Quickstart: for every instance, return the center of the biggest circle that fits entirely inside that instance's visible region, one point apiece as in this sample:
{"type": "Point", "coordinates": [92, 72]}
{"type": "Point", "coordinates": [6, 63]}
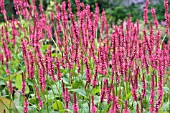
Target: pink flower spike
{"type": "Point", "coordinates": [75, 106]}
{"type": "Point", "coordinates": [26, 104]}
{"type": "Point", "coordinates": [126, 109]}
{"type": "Point", "coordinates": [93, 108]}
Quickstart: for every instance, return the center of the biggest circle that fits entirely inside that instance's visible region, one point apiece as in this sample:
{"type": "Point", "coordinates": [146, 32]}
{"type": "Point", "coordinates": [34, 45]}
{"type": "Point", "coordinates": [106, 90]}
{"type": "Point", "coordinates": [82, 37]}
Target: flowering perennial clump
{"type": "Point", "coordinates": [66, 62]}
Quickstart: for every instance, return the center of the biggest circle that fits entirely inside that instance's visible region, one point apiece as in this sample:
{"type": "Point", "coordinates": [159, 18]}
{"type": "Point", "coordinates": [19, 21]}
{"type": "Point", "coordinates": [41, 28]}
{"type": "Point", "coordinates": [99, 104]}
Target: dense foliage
{"type": "Point", "coordinates": [60, 61]}
{"type": "Point", "coordinates": [116, 10]}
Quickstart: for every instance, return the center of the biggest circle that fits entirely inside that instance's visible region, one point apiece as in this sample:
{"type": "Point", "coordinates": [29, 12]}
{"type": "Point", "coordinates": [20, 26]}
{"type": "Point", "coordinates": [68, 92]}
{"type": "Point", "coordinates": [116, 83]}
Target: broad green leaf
{"type": "Point", "coordinates": [107, 109]}
{"type": "Point", "coordinates": [20, 109]}
{"type": "Point", "coordinates": [79, 91]}
{"type": "Point", "coordinates": [167, 90]}
{"type": "Point", "coordinates": [74, 73]}
{"type": "Point", "coordinates": [103, 106]}
{"type": "Point", "coordinates": [151, 70]}
{"type": "Point", "coordinates": [32, 109]}
{"type": "Point", "coordinates": [18, 83]}
{"type": "Point", "coordinates": [10, 77]}
{"type": "Point", "coordinates": [165, 106]}
{"type": "Point", "coordinates": [45, 47]}
{"type": "Point", "coordinates": [128, 95]}
{"type": "Point", "coordinates": [85, 108]}
{"type": "Point", "coordinates": [32, 100]}
{"type": "Point", "coordinates": [95, 90]}
{"type": "Point", "coordinates": [58, 105]}
{"type": "Point", "coordinates": [6, 105]}
{"type": "Point", "coordinates": [77, 84]}
{"type": "Point", "coordinates": [2, 82]}
{"type": "Point", "coordinates": [65, 80]}
{"type": "Point", "coordinates": [17, 98]}
{"type": "Point", "coordinates": [64, 71]}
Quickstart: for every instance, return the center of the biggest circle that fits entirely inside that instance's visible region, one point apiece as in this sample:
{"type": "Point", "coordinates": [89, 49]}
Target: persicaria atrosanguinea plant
{"type": "Point", "coordinates": [78, 62]}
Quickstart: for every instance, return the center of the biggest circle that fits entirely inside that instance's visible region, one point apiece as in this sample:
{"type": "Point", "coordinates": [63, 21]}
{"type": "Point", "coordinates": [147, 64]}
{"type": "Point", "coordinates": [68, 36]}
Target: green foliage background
{"type": "Point", "coordinates": [115, 11]}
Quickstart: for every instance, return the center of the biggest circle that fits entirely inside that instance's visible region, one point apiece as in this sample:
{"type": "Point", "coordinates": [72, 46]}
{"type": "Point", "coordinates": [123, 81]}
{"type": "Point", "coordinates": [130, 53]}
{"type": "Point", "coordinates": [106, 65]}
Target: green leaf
{"type": "Point", "coordinates": [79, 91]}
{"type": "Point", "coordinates": [165, 106]}
{"type": "Point", "coordinates": [32, 100]}
{"type": "Point", "coordinates": [32, 109]}
{"type": "Point", "coordinates": [106, 109]}
{"type": "Point", "coordinates": [58, 105]}
{"type": "Point", "coordinates": [20, 109]}
{"type": "Point", "coordinates": [151, 70]}
{"type": "Point", "coordinates": [2, 83]}
{"type": "Point", "coordinates": [128, 95]}
{"type": "Point", "coordinates": [103, 107]}
{"type": "Point", "coordinates": [6, 105]}
{"type": "Point", "coordinates": [74, 71]}
{"type": "Point", "coordinates": [85, 108]}
{"type": "Point", "coordinates": [166, 89]}
{"type": "Point", "coordinates": [27, 89]}
{"type": "Point", "coordinates": [64, 71]}
{"type": "Point", "coordinates": [95, 90]}
{"type": "Point", "coordinates": [9, 77]}
{"type": "Point", "coordinates": [65, 80]}
{"type": "Point", "coordinates": [18, 83]}
{"type": "Point", "coordinates": [77, 84]}
{"type": "Point", "coordinates": [17, 98]}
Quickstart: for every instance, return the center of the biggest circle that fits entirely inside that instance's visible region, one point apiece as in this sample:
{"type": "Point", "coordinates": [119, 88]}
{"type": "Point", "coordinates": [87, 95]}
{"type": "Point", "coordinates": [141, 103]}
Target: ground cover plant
{"type": "Point", "coordinates": [58, 61]}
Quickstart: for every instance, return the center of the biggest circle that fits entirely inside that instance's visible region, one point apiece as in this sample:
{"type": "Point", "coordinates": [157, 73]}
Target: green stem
{"type": "Point", "coordinates": [10, 103]}
{"type": "Point", "coordinates": [116, 88]}
{"type": "Point", "coordinates": [99, 103]}
{"type": "Point", "coordinates": [47, 103]}
{"type": "Point", "coordinates": [10, 97]}
{"type": "Point", "coordinates": [54, 96]}
{"type": "Point", "coordinates": [56, 45]}
{"type": "Point", "coordinates": [162, 42]}
{"type": "Point", "coordinates": [57, 88]}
